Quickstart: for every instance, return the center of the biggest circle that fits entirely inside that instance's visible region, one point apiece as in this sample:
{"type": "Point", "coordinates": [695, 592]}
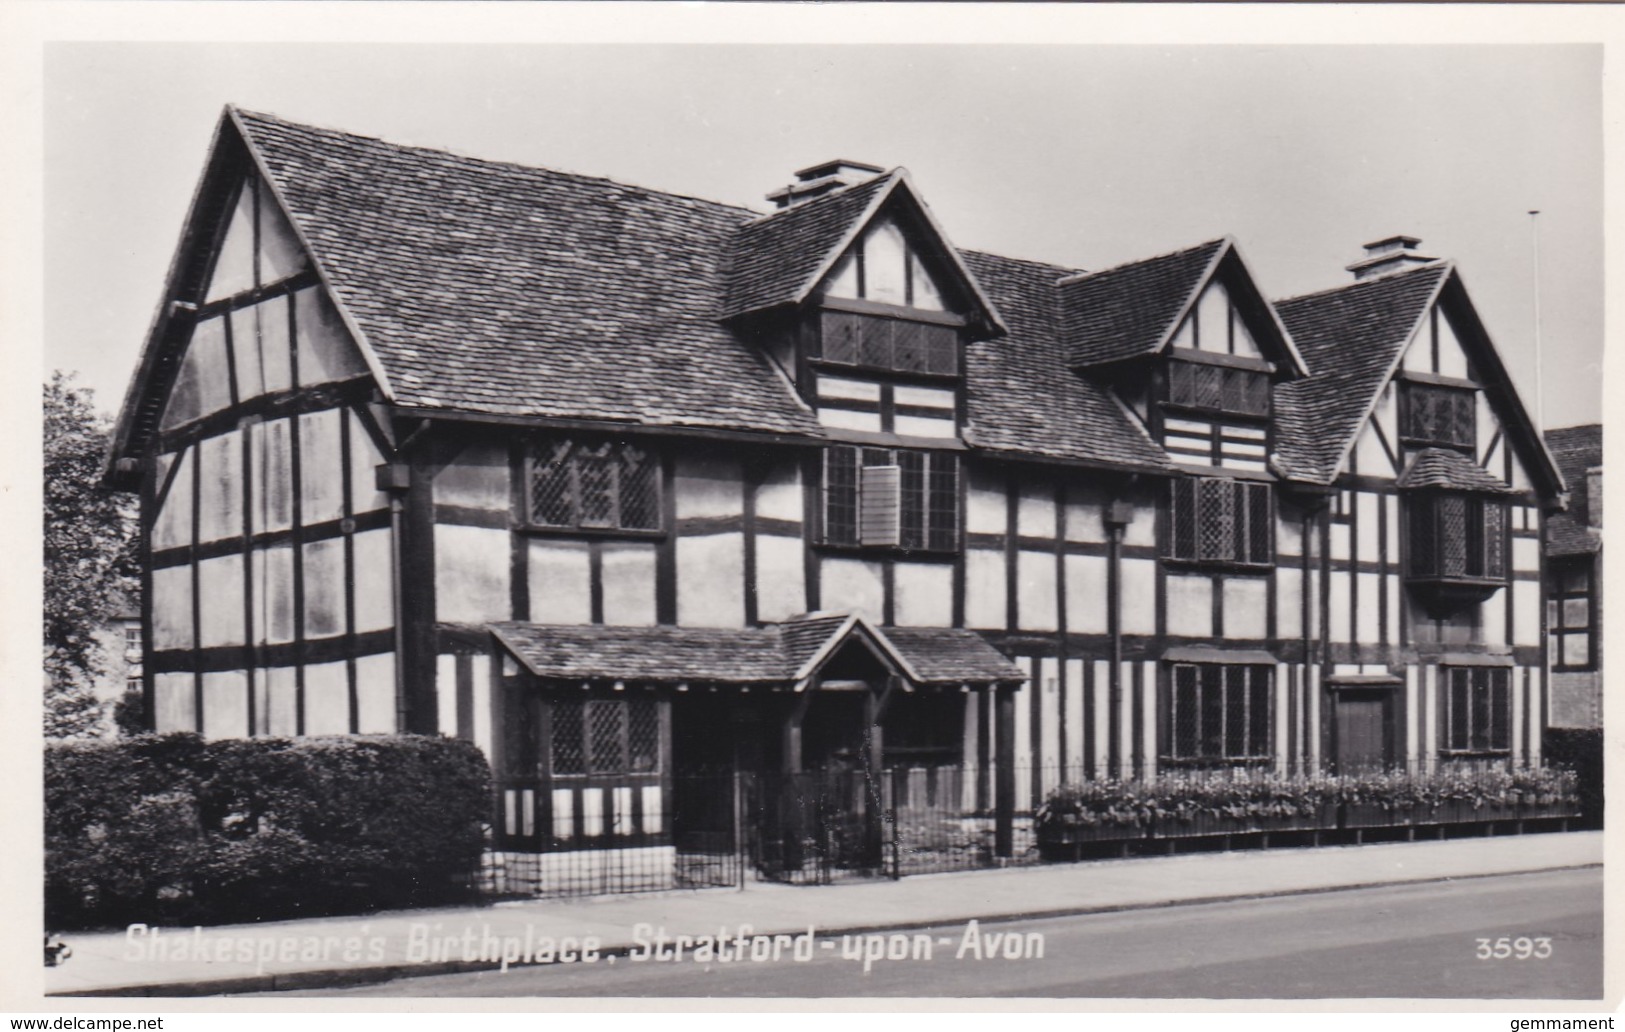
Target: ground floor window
{"type": "Point", "coordinates": [605, 736]}
{"type": "Point", "coordinates": [1219, 712]}
{"type": "Point", "coordinates": [1477, 709]}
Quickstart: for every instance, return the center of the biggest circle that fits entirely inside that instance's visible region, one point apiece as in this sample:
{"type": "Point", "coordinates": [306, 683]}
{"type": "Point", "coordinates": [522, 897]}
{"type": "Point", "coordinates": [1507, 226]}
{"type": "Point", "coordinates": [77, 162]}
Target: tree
{"type": "Point", "coordinates": [90, 556]}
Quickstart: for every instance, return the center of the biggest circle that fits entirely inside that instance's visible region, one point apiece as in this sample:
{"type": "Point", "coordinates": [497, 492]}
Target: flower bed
{"type": "Point", "coordinates": [1240, 802]}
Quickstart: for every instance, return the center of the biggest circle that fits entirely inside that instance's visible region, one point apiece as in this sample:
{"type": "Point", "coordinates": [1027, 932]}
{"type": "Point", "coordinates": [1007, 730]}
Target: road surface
{"type": "Point", "coordinates": [1393, 941]}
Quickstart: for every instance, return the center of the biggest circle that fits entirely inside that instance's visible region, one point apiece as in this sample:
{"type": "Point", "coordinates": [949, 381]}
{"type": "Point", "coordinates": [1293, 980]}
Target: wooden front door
{"type": "Point", "coordinates": [1362, 735]}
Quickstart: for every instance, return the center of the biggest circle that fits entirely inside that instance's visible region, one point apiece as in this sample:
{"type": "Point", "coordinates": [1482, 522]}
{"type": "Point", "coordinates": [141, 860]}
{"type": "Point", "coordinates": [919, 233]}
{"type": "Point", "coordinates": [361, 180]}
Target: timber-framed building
{"type": "Point", "coordinates": [618, 484]}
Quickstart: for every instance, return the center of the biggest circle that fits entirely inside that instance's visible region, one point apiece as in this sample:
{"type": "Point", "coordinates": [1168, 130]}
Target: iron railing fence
{"type": "Point", "coordinates": [655, 832]}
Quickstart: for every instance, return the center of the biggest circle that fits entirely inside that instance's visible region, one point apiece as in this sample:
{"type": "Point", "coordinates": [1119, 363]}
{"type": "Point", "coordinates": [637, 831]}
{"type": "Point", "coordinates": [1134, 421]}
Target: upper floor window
{"type": "Point", "coordinates": [1477, 709]}
{"type": "Point", "coordinates": [1226, 389]}
{"type": "Point", "coordinates": [1569, 615]}
{"type": "Point", "coordinates": [605, 486]}
{"type": "Point", "coordinates": [1220, 712]}
{"type": "Point", "coordinates": [894, 498]}
{"type": "Point", "coordinates": [1456, 537]}
{"type": "Point", "coordinates": [1222, 521]}
{"type": "Point", "coordinates": [1430, 414]}
{"type": "Point", "coordinates": [893, 345]}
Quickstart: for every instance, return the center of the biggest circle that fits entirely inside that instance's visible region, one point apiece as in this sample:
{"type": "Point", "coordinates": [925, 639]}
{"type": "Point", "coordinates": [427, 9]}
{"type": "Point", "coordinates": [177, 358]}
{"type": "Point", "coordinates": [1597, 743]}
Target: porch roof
{"type": "Point", "coordinates": [776, 654]}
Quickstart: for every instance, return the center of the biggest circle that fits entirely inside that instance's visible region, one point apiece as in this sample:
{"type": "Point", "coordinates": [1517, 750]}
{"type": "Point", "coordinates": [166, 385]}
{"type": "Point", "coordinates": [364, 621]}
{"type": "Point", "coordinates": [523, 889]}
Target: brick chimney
{"type": "Point", "coordinates": [1388, 255]}
{"type": "Point", "coordinates": [818, 180]}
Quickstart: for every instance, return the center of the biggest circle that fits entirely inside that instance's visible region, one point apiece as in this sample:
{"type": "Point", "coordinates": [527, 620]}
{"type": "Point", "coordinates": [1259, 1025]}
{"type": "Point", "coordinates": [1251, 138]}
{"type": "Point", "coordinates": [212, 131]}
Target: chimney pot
{"type": "Point", "coordinates": [1387, 255]}
{"type": "Point", "coordinates": [822, 178]}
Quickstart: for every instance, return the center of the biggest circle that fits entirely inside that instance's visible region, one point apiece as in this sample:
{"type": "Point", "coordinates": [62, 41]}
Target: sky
{"type": "Point", "coordinates": [1085, 156]}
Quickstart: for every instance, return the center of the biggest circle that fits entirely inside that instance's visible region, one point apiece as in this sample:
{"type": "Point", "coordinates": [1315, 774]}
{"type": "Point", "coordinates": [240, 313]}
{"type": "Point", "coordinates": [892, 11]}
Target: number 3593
{"type": "Point", "coordinates": [1521, 948]}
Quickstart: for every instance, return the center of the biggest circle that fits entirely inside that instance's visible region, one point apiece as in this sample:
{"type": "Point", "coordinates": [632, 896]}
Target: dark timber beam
{"type": "Point", "coordinates": [1004, 789]}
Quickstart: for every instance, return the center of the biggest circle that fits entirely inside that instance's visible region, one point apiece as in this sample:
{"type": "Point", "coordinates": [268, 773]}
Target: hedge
{"type": "Point", "coordinates": [173, 829]}
{"type": "Point", "coordinates": [1183, 796]}
{"type": "Point", "coordinates": [1580, 749]}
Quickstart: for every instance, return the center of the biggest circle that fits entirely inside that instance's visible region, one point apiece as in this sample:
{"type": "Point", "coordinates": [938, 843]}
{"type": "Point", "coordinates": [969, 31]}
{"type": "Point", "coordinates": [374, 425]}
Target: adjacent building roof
{"type": "Point", "coordinates": [1444, 468]}
{"type": "Point", "coordinates": [1577, 449]}
{"type": "Point", "coordinates": [775, 654]}
{"type": "Point", "coordinates": [1351, 337]}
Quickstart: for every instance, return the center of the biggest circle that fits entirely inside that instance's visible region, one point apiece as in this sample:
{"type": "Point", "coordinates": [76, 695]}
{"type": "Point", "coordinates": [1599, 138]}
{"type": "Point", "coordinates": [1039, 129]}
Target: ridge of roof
{"type": "Point", "coordinates": [1381, 277]}
{"type": "Point", "coordinates": [517, 166]}
{"type": "Point", "coordinates": [1177, 252]}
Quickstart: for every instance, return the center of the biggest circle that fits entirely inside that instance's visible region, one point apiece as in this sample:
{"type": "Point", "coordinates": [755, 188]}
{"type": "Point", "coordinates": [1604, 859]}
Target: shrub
{"type": "Point", "coordinates": [170, 828]}
{"type": "Point", "coordinates": [1580, 749]}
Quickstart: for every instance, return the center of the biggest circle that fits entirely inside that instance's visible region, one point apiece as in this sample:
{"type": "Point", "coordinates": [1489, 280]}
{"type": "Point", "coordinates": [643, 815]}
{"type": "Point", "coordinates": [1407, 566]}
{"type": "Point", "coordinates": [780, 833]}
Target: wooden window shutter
{"type": "Point", "coordinates": [879, 494]}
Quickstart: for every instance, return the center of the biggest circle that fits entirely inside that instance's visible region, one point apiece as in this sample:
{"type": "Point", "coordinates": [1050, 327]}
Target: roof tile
{"type": "Point", "coordinates": [743, 655]}
{"type": "Point", "coordinates": [1128, 311]}
{"type": "Point", "coordinates": [1350, 337]}
{"type": "Point", "coordinates": [1576, 449]}
{"type": "Point", "coordinates": [772, 259]}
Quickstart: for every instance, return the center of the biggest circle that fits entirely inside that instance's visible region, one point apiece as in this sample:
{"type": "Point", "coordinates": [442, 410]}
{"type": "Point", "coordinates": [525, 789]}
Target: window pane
{"type": "Point", "coordinates": [605, 732]}
{"type": "Point", "coordinates": [908, 347]}
{"type": "Point", "coordinates": [1235, 716]}
{"type": "Point", "coordinates": [1500, 735]}
{"type": "Point", "coordinates": [911, 515]}
{"type": "Point", "coordinates": [1460, 709]}
{"type": "Point", "coordinates": [552, 502]}
{"type": "Point", "coordinates": [1212, 708]}
{"type": "Point", "coordinates": [643, 735]}
{"type": "Point", "coordinates": [841, 332]}
{"type": "Point", "coordinates": [944, 515]}
{"type": "Point", "coordinates": [1452, 512]}
{"type": "Point", "coordinates": [1576, 649]}
{"type": "Point", "coordinates": [1494, 539]}
{"type": "Point", "coordinates": [1259, 711]}
{"type": "Point", "coordinates": [1217, 531]}
{"type": "Point", "coordinates": [1576, 612]}
{"type": "Point", "coordinates": [595, 475]}
{"type": "Point", "coordinates": [1482, 709]}
{"type": "Point", "coordinates": [640, 489]}
{"type": "Point", "coordinates": [841, 495]}
{"type": "Point", "coordinates": [942, 349]}
{"type": "Point", "coordinates": [875, 342]}
{"type": "Point", "coordinates": [1185, 716]}
{"type": "Point", "coordinates": [569, 754]}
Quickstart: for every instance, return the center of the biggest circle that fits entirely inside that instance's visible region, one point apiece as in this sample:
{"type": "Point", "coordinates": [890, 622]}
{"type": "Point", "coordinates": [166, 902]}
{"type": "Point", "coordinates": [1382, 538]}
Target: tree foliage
{"type": "Point", "coordinates": [90, 555]}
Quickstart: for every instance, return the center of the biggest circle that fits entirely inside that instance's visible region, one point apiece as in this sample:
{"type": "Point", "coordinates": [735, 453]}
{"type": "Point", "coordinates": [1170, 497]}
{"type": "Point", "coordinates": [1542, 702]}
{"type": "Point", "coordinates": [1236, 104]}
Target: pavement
{"type": "Point", "coordinates": [305, 954]}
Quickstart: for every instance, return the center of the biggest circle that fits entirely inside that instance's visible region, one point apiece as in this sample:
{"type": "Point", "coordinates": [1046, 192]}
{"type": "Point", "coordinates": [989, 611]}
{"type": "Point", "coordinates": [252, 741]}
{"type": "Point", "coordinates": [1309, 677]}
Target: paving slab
{"type": "Point", "coordinates": [272, 955]}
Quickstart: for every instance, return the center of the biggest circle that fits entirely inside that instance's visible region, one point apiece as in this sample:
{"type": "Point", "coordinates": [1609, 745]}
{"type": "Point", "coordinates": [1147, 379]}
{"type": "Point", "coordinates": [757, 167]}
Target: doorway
{"type": "Point", "coordinates": [1363, 729]}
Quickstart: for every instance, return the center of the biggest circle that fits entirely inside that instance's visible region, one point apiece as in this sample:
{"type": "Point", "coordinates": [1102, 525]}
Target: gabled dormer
{"type": "Point", "coordinates": [855, 291]}
{"type": "Point", "coordinates": [1190, 346]}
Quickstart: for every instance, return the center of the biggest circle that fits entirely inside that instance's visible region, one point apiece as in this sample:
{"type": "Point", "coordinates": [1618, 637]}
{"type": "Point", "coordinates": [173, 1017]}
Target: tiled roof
{"type": "Point", "coordinates": [1350, 339]}
{"type": "Point", "coordinates": [772, 259]}
{"type": "Point", "coordinates": [1442, 467]}
{"type": "Point", "coordinates": [951, 655]}
{"type": "Point", "coordinates": [1129, 310]}
{"type": "Point", "coordinates": [496, 288]}
{"type": "Point", "coordinates": [1022, 396]}
{"type": "Point", "coordinates": [1576, 449]}
{"type": "Point", "coordinates": [749, 655]}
